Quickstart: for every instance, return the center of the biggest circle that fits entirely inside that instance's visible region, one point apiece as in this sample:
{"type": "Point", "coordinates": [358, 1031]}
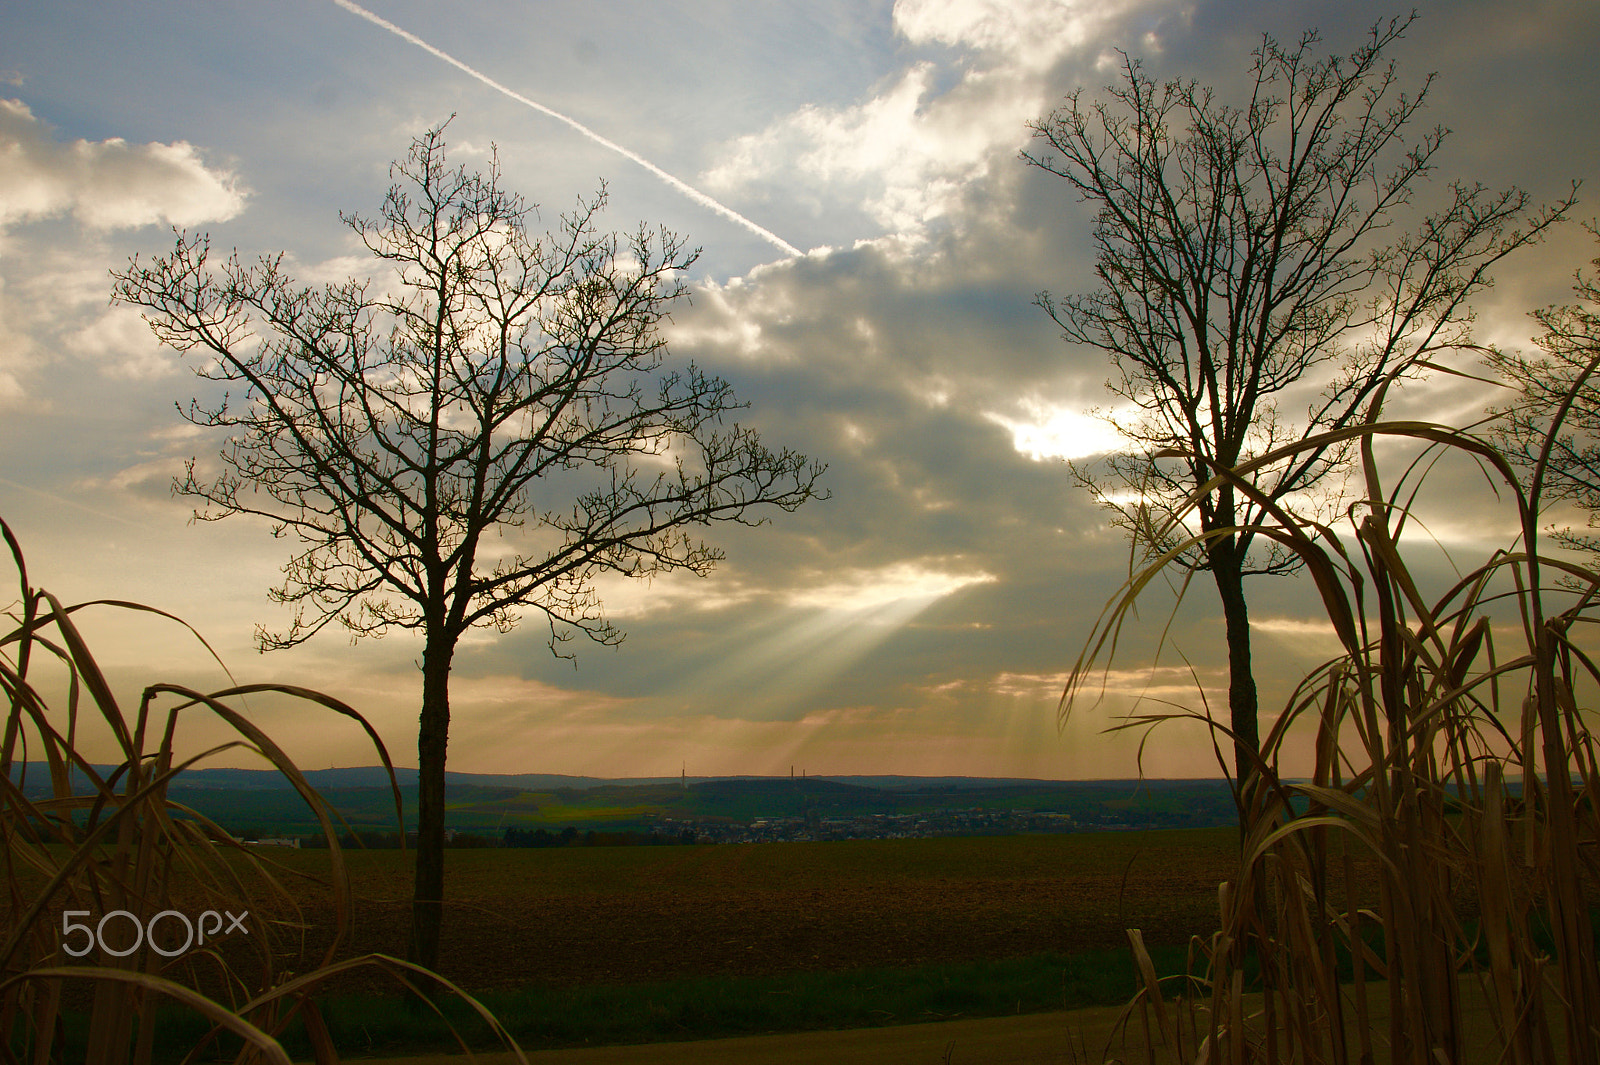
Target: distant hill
{"type": "Point", "coordinates": [374, 776]}
{"type": "Point", "coordinates": [370, 776]}
{"type": "Point", "coordinates": [260, 800]}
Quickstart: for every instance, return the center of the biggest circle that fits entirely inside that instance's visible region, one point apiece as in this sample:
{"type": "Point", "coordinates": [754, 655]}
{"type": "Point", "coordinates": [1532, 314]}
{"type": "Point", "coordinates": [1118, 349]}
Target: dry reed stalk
{"type": "Point", "coordinates": [1420, 724]}
{"type": "Point", "coordinates": [102, 843]}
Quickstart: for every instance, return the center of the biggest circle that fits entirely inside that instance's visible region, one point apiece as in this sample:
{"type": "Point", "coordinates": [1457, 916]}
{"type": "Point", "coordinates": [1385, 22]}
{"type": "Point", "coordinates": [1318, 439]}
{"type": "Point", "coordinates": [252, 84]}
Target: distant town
{"type": "Point", "coordinates": [959, 821]}
{"type": "Point", "coordinates": [541, 810]}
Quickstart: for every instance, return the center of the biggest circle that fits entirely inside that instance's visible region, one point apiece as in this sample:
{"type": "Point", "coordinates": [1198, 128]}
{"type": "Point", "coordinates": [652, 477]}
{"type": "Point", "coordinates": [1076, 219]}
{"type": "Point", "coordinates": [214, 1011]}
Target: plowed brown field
{"type": "Point", "coordinates": [597, 915]}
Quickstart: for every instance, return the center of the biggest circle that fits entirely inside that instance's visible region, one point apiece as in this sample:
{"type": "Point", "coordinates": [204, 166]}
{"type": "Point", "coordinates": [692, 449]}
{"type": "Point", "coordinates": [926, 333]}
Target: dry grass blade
{"type": "Point", "coordinates": [1151, 994]}
{"type": "Point", "coordinates": [98, 842]}
{"type": "Point", "coordinates": [1420, 724]}
{"type": "Point", "coordinates": [217, 1014]}
{"type": "Point", "coordinates": [414, 977]}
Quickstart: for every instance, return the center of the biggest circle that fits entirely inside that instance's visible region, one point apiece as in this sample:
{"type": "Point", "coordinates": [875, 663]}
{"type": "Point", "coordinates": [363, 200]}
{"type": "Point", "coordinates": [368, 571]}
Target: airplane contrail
{"type": "Point", "coordinates": [682, 186]}
{"type": "Point", "coordinates": [64, 501]}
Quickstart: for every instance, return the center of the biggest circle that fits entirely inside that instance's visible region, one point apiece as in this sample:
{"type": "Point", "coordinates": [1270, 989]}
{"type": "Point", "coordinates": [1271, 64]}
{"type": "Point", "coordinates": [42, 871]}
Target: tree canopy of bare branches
{"type": "Point", "coordinates": [500, 383]}
{"type": "Point", "coordinates": [1257, 286]}
{"type": "Point", "coordinates": [1559, 382]}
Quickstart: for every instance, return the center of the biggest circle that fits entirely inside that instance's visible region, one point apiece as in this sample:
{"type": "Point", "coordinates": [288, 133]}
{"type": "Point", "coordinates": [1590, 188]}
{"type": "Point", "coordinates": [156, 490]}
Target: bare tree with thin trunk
{"type": "Point", "coordinates": [1256, 288]}
{"type": "Point", "coordinates": [475, 441]}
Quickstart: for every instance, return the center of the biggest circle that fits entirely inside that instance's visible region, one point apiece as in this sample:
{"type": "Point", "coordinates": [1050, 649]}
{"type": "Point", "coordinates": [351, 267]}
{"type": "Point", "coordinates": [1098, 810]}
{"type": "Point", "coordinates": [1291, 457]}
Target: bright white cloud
{"type": "Point", "coordinates": [53, 308]}
{"type": "Point", "coordinates": [1032, 35]}
{"type": "Point", "coordinates": [120, 340]}
{"type": "Point", "coordinates": [106, 184]}
{"type": "Point", "coordinates": [1157, 682]}
{"type": "Point", "coordinates": [906, 153]}
{"type": "Point", "coordinates": [720, 321]}
{"type": "Point", "coordinates": [1049, 431]}
{"type": "Point", "coordinates": [632, 598]}
{"type": "Point", "coordinates": [1293, 627]}
{"type": "Point", "coordinates": [887, 588]}
{"type": "Point", "coordinates": [52, 296]}
{"type": "Point", "coordinates": [1312, 638]}
{"type": "Point", "coordinates": [900, 583]}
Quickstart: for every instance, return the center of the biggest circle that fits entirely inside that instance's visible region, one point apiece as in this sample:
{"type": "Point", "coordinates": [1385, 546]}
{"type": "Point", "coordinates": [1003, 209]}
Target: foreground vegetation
{"type": "Point", "coordinates": [713, 1007]}
{"type": "Point", "coordinates": [97, 847]}
{"type": "Point", "coordinates": [1450, 747]}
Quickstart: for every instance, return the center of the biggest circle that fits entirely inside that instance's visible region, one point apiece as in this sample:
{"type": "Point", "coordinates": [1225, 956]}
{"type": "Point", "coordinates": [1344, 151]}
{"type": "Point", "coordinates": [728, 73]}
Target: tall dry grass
{"type": "Point", "coordinates": [97, 843]}
{"type": "Point", "coordinates": [1437, 861]}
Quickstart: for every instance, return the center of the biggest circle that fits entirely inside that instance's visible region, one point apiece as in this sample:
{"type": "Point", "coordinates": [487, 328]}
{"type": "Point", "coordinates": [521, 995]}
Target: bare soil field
{"type": "Point", "coordinates": [572, 916]}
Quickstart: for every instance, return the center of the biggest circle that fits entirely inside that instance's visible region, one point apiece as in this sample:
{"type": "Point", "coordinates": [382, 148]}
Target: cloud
{"type": "Point", "coordinates": [692, 193]}
{"type": "Point", "coordinates": [916, 365]}
{"type": "Point", "coordinates": [902, 582]}
{"type": "Point", "coordinates": [908, 356]}
{"type": "Point", "coordinates": [106, 184]}
{"type": "Point", "coordinates": [1048, 430]}
{"type": "Point", "coordinates": [53, 280]}
{"type": "Point", "coordinates": [1032, 36]}
{"type": "Point", "coordinates": [53, 313]}
{"type": "Point", "coordinates": [121, 341]}
{"type": "Point", "coordinates": [906, 153]}
{"type": "Point", "coordinates": [946, 551]}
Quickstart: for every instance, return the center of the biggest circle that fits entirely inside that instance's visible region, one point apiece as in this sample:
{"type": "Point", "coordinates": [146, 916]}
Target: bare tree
{"type": "Point", "coordinates": [1253, 290]}
{"type": "Point", "coordinates": [505, 385]}
{"type": "Point", "coordinates": [1560, 381]}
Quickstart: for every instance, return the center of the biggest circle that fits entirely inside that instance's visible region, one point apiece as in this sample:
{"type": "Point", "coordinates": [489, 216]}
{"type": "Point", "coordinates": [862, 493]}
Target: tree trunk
{"type": "Point", "coordinates": [1227, 565]}
{"type": "Point", "coordinates": [433, 733]}
{"type": "Point", "coordinates": [1227, 568]}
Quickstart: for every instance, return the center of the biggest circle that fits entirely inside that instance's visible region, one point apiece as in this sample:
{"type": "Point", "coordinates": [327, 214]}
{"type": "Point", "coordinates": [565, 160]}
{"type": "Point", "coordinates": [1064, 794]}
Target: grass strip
{"type": "Point", "coordinates": [712, 1007]}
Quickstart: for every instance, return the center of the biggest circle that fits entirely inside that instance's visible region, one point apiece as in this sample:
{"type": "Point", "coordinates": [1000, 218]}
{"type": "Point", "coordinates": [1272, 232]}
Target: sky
{"type": "Point", "coordinates": [871, 250]}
